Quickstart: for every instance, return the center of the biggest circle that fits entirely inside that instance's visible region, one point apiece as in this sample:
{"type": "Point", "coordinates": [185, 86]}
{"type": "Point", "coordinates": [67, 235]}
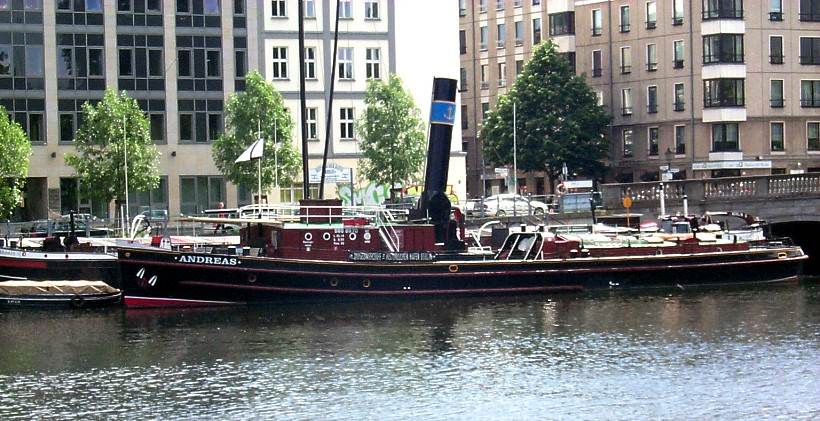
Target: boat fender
{"type": "Point", "coordinates": [77, 301]}
{"type": "Point", "coordinates": [560, 189]}
{"type": "Point", "coordinates": [453, 268]}
{"type": "Point", "coordinates": [366, 283]}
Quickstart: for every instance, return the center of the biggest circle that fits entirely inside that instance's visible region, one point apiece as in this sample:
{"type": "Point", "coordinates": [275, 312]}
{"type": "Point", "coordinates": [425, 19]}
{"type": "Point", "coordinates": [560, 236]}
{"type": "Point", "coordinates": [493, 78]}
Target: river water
{"type": "Point", "coordinates": [719, 353]}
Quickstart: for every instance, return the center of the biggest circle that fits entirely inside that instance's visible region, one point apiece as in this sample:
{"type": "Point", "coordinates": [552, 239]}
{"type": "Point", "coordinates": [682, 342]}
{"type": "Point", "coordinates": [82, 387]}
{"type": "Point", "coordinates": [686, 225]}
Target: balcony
{"type": "Point", "coordinates": [677, 64]}
{"type": "Point", "coordinates": [484, 85]}
{"type": "Point", "coordinates": [723, 102]}
{"type": "Point", "coordinates": [625, 27]}
{"type": "Point", "coordinates": [776, 59]}
{"type": "Point", "coordinates": [776, 102]}
{"type": "Point", "coordinates": [502, 83]}
{"type": "Point", "coordinates": [626, 70]}
{"type": "Point", "coordinates": [596, 32]}
{"type": "Point", "coordinates": [810, 102]}
{"type": "Point", "coordinates": [678, 106]}
{"type": "Point", "coordinates": [652, 108]}
{"type": "Point", "coordinates": [651, 24]}
{"type": "Point", "coordinates": [677, 21]}
{"type": "Point", "coordinates": [651, 67]}
{"type": "Point", "coordinates": [499, 43]}
{"type": "Point", "coordinates": [776, 16]}
{"type": "Point", "coordinates": [626, 111]}
{"type": "Point", "coordinates": [596, 72]}
{"type": "Point", "coordinates": [728, 57]}
{"type": "Point", "coordinates": [723, 13]}
{"type": "Point", "coordinates": [680, 149]}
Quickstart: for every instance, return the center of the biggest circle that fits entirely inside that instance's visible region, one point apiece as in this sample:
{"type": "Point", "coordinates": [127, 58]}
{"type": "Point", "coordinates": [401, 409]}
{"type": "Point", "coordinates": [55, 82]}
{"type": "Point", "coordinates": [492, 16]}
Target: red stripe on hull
{"type": "Point", "coordinates": [154, 302]}
{"type": "Point", "coordinates": [22, 263]}
{"type": "Point", "coordinates": [286, 290]}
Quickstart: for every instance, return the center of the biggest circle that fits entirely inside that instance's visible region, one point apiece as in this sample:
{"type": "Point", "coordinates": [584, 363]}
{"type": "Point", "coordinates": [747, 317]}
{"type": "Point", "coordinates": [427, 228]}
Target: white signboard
{"type": "Point", "coordinates": [730, 165]}
{"type": "Point", "coordinates": [578, 184]}
{"type": "Point", "coordinates": [503, 172]}
{"type": "Point", "coordinates": [334, 173]}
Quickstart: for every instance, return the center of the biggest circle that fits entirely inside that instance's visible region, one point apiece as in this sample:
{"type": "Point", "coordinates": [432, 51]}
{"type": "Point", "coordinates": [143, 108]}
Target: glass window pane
{"type": "Point", "coordinates": [186, 127]}
{"type": "Point", "coordinates": [213, 63]}
{"type": "Point", "coordinates": [184, 62]}
{"type": "Point", "coordinates": [126, 68]}
{"type": "Point", "coordinates": [157, 127]}
{"type": "Point", "coordinates": [155, 67]}
{"type": "Point", "coordinates": [211, 7]}
{"type": "Point", "coordinates": [35, 127]}
{"type": "Point", "coordinates": [152, 5]}
{"type": "Point", "coordinates": [66, 127]}
{"type": "Point", "coordinates": [95, 62]}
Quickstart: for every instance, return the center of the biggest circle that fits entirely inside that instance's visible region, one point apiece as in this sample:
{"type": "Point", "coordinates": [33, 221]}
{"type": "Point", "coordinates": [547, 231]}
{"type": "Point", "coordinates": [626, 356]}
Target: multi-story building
{"type": "Point", "coordinates": [182, 60]}
{"type": "Point", "coordinates": [712, 87]}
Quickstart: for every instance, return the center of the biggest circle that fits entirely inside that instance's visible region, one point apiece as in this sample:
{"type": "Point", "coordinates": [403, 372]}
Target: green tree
{"type": "Point", "coordinates": [558, 120]}
{"type": "Point", "coordinates": [259, 108]}
{"type": "Point", "coordinates": [112, 128]}
{"type": "Point", "coordinates": [392, 134]}
{"type": "Point", "coordinates": [14, 161]}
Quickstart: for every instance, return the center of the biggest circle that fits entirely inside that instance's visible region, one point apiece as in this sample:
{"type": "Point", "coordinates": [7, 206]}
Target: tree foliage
{"type": "Point", "coordinates": [15, 150]}
{"type": "Point", "coordinates": [391, 134]}
{"type": "Point", "coordinates": [260, 108]}
{"type": "Point", "coordinates": [112, 128]}
{"type": "Point", "coordinates": [558, 120]}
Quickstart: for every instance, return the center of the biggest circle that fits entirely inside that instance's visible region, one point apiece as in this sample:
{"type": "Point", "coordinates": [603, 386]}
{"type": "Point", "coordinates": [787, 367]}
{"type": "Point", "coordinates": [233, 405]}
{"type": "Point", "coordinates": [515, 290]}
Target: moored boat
{"type": "Point", "coordinates": [73, 294]}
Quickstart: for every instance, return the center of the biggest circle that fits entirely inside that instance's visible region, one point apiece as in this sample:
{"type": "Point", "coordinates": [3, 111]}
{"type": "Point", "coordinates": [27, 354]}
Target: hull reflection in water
{"type": "Point", "coordinates": [717, 353]}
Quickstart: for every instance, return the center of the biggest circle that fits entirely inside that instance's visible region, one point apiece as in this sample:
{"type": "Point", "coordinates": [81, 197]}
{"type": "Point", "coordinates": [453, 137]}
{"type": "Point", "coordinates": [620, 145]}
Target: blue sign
{"type": "Point", "coordinates": [443, 112]}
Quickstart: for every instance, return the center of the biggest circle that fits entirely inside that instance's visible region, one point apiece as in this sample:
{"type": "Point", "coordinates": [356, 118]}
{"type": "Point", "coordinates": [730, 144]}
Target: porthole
{"type": "Point", "coordinates": [453, 268]}
{"type": "Point", "coordinates": [326, 236]}
{"type": "Point", "coordinates": [366, 236]}
{"type": "Point", "coordinates": [334, 282]}
{"type": "Point", "coordinates": [352, 236]}
{"type": "Point", "coordinates": [252, 278]}
{"type": "Point", "coordinates": [366, 283]}
{"type": "Point", "coordinates": [308, 236]}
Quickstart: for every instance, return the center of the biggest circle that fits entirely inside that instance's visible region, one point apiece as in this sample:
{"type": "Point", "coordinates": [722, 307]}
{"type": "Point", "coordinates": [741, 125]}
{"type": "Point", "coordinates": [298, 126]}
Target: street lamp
{"type": "Point", "coordinates": [669, 154]}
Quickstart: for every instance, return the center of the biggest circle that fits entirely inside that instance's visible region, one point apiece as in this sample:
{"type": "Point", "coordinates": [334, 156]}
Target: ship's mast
{"type": "Point", "coordinates": [303, 104]}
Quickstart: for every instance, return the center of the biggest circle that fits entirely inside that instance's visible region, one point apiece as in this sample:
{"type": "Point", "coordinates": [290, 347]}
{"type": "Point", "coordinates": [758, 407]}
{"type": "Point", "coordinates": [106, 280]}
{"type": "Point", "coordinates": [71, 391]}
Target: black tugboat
{"type": "Point", "coordinates": [328, 252]}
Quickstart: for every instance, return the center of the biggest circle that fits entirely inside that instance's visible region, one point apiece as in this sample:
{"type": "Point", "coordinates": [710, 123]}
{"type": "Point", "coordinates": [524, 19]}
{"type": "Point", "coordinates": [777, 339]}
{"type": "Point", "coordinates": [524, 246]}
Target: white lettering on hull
{"type": "Point", "coordinates": [209, 260]}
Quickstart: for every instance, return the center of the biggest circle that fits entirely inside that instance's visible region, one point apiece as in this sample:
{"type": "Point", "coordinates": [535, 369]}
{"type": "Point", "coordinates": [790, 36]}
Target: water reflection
{"type": "Point", "coordinates": [729, 353]}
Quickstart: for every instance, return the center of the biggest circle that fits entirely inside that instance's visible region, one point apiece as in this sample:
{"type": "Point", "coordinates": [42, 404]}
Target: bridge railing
{"type": "Point", "coordinates": [714, 189]}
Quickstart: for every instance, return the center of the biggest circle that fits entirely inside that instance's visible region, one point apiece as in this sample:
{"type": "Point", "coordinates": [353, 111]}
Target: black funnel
{"type": "Point", "coordinates": [434, 202]}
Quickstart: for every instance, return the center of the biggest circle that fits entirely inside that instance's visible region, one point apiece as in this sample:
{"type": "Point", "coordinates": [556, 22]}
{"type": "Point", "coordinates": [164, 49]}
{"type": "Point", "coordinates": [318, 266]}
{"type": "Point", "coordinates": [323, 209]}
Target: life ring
{"type": "Point", "coordinates": [77, 301]}
{"type": "Point", "coordinates": [560, 188]}
{"type": "Point", "coordinates": [453, 268]}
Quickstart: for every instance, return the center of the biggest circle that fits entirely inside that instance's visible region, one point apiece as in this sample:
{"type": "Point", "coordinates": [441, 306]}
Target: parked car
{"type": "Point", "coordinates": [508, 204]}
{"type": "Point", "coordinates": [473, 207]}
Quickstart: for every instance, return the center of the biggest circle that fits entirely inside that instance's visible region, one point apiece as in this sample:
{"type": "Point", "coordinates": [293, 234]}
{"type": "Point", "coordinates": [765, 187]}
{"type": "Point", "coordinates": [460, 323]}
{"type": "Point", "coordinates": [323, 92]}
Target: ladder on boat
{"type": "Point", "coordinates": [387, 230]}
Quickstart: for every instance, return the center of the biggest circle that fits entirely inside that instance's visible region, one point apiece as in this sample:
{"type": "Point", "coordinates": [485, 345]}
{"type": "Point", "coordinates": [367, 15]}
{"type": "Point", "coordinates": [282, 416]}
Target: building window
{"type": "Point", "coordinates": [485, 109]}
{"type": "Point", "coordinates": [213, 63]}
{"type": "Point", "coordinates": [776, 96]}
{"type": "Point", "coordinates": [810, 10]}
{"type": "Point", "coordinates": [482, 38]}
{"type": "Point", "coordinates": [536, 31]}
{"type": "Point", "coordinates": [482, 6]}
{"type": "Point", "coordinates": [775, 10]}
{"type": "Point", "coordinates": [199, 63]}
{"type": "Point", "coordinates": [200, 121]}
{"type": "Point", "coordinates": [651, 15]}
{"type": "Point", "coordinates": [626, 60]}
{"type": "Point", "coordinates": [723, 93]}
{"type": "Point", "coordinates": [500, 40]}
{"type": "Point", "coordinates": [280, 63]}
{"type": "Point", "coordinates": [776, 50]}
{"type": "Point", "coordinates": [80, 61]}
{"type": "Point", "coordinates": [809, 50]}
{"type": "Point", "coordinates": [310, 62]}
{"type": "Point", "coordinates": [680, 140]}
{"type": "Point", "coordinates": [278, 9]}
{"type": "Point", "coordinates": [346, 123]}
{"type": "Point", "coordinates": [626, 101]}
{"type": "Point", "coordinates": [725, 137]}
{"type": "Point", "coordinates": [810, 93]}
{"type": "Point", "coordinates": [596, 63]}
{"type": "Point", "coordinates": [240, 63]}
{"type": "Point", "coordinates": [562, 23]}
{"type": "Point", "coordinates": [147, 201]}
{"type": "Point", "coordinates": [722, 9]}
{"type": "Point", "coordinates": [627, 142]}
{"type": "Point", "coordinates": [155, 111]}
{"type": "Point", "coordinates": [462, 81]}
{"type": "Point", "coordinates": [651, 57]}
{"type": "Point", "coordinates": [597, 23]}
{"type": "Point", "coordinates": [311, 121]}
{"type": "Point", "coordinates": [723, 48]}
{"type": "Point", "coordinates": [484, 75]}
{"type": "Point", "coordinates": [67, 127]}
{"type": "Point", "coordinates": [502, 74]}
{"type": "Point", "coordinates": [776, 136]}
{"type": "Point", "coordinates": [371, 10]}
{"type": "Point", "coordinates": [677, 51]}
{"type": "Point", "coordinates": [372, 63]}
{"type": "Point", "coordinates": [813, 135]}
{"type": "Point", "coordinates": [599, 98]}
{"type": "Point", "coordinates": [462, 42]}
{"type": "Point", "coordinates": [625, 19]}
{"type": "Point", "coordinates": [677, 12]}
{"type": "Point", "coordinates": [519, 33]}
{"type": "Point", "coordinates": [679, 97]}
{"type": "Point", "coordinates": [499, 4]}
{"type": "Point", "coordinates": [464, 120]}
{"type": "Point", "coordinates": [211, 7]}
{"type": "Point", "coordinates": [345, 62]}
{"type": "Point", "coordinates": [198, 193]}
{"type": "Point", "coordinates": [519, 67]}
{"type": "Point", "coordinates": [345, 9]}
{"type": "Point", "coordinates": [652, 140]}
{"type": "Point", "coordinates": [652, 99]}
{"type": "Point", "coordinates": [310, 9]}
